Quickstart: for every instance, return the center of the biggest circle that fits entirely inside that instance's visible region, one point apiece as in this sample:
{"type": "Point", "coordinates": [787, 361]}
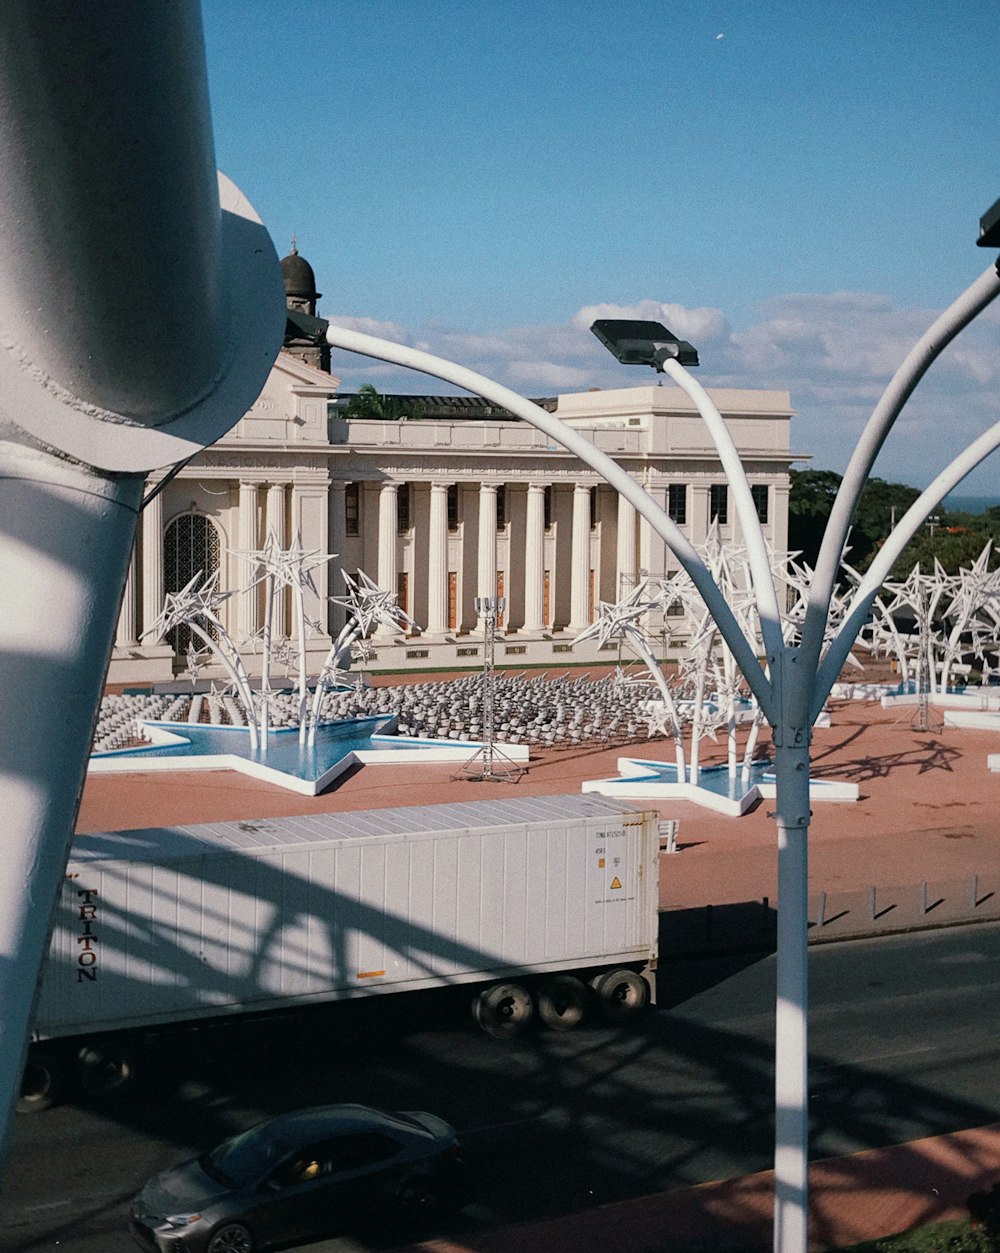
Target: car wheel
{"type": "Point", "coordinates": [503, 1010]}
{"type": "Point", "coordinates": [621, 994]}
{"type": "Point", "coordinates": [562, 1002]}
{"type": "Point", "coordinates": [231, 1238]}
{"type": "Point", "coordinates": [418, 1203]}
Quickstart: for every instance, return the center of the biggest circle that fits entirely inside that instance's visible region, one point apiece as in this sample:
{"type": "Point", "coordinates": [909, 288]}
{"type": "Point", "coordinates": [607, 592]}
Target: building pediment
{"type": "Point", "coordinates": [291, 408]}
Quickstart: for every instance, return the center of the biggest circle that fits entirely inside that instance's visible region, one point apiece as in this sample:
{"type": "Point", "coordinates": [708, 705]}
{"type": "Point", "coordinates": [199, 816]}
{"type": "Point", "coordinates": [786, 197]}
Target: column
{"type": "Point", "coordinates": [579, 607]}
{"type": "Point", "coordinates": [249, 541]}
{"type": "Point", "coordinates": [487, 572]}
{"type": "Point", "coordinates": [274, 527]}
{"type": "Point", "coordinates": [778, 527]}
{"type": "Point", "coordinates": [652, 549]}
{"type": "Point", "coordinates": [338, 542]}
{"type": "Point", "coordinates": [152, 565]}
{"type": "Point", "coordinates": [626, 573]}
{"type": "Point", "coordinates": [437, 561]}
{"type": "Point", "coordinates": [311, 525]}
{"type": "Point", "coordinates": [388, 527]}
{"type": "Point", "coordinates": [125, 634]}
{"type": "Point", "coordinates": [699, 519]}
{"type": "Point", "coordinates": [534, 559]}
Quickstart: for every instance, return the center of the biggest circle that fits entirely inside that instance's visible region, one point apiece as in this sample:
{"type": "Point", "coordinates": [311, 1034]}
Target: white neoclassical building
{"type": "Point", "coordinates": [458, 500]}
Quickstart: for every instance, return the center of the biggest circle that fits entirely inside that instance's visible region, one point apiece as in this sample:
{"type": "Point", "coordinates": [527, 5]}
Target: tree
{"type": "Point", "coordinates": [809, 504]}
{"type": "Point", "coordinates": [370, 403]}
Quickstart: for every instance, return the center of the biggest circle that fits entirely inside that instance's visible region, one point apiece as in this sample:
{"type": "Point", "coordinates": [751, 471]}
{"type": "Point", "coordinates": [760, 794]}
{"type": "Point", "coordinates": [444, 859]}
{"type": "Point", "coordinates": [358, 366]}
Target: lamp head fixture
{"type": "Point", "coordinates": [989, 227]}
{"type": "Point", "coordinates": [643, 343]}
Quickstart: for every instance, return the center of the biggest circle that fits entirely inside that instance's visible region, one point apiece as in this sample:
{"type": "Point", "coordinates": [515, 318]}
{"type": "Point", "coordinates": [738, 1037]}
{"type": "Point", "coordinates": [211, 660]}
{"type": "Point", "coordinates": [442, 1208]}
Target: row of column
{"type": "Point", "coordinates": [486, 568]}
{"type": "Point", "coordinates": [310, 504]}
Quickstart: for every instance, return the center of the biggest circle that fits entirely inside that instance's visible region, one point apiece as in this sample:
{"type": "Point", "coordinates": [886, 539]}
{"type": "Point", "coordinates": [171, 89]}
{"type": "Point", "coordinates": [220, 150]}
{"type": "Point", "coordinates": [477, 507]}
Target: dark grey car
{"type": "Point", "coordinates": [312, 1173]}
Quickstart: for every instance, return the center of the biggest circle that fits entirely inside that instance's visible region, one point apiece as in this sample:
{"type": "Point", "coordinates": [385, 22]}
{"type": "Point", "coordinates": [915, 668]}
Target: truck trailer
{"type": "Point", "coordinates": [545, 906]}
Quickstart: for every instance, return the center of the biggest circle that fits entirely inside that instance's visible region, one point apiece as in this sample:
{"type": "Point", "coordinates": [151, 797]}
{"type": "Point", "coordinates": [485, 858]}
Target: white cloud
{"type": "Point", "coordinates": [833, 352]}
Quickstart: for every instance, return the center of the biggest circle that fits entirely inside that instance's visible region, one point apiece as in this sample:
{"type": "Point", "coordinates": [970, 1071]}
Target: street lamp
{"type": "Point", "coordinates": [663, 352]}
{"type": "Point", "coordinates": [642, 343]}
{"type": "Point", "coordinates": [989, 227]}
{"type": "Point", "coordinates": [798, 681]}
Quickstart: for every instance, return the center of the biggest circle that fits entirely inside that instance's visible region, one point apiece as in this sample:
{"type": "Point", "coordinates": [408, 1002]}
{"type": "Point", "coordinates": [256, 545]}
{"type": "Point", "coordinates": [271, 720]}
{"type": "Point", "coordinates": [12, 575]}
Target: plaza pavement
{"type": "Point", "coordinates": [929, 812]}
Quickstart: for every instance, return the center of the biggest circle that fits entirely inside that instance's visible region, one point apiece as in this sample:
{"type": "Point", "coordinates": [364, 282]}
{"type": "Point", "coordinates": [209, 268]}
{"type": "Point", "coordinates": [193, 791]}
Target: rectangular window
{"type": "Point", "coordinates": [452, 600]}
{"type": "Point", "coordinates": [501, 507]}
{"type": "Point", "coordinates": [759, 493]}
{"type": "Point", "coordinates": [548, 508]}
{"type": "Point", "coordinates": [593, 508]}
{"type": "Point", "coordinates": [404, 498]}
{"type": "Point", "coordinates": [718, 503]}
{"type": "Point", "coordinates": [452, 506]}
{"type": "Point", "coordinates": [500, 597]}
{"type": "Point", "coordinates": [677, 503]}
{"type": "Point", "coordinates": [352, 509]}
{"type": "Point", "coordinates": [403, 592]}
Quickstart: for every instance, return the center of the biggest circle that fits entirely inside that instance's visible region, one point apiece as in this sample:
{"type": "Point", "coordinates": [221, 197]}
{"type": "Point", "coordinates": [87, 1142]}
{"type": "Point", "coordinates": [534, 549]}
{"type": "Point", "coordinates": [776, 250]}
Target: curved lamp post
{"type": "Point", "coordinates": [800, 684]}
{"type": "Point", "coordinates": [793, 690]}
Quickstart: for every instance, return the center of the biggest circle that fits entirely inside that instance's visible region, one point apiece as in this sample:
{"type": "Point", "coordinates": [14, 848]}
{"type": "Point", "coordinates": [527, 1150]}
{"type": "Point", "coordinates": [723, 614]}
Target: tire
{"type": "Point", "coordinates": [106, 1068]}
{"type": "Point", "coordinates": [231, 1238]}
{"type": "Point", "coordinates": [43, 1082]}
{"type": "Point", "coordinates": [418, 1202]}
{"type": "Point", "coordinates": [503, 1010]}
{"type": "Point", "coordinates": [621, 994]}
{"type": "Point", "coordinates": [563, 1002]}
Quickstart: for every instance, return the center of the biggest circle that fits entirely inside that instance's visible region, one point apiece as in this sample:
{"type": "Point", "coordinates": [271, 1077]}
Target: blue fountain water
{"type": "Point", "coordinates": [280, 750]}
{"type": "Point", "coordinates": [714, 779]}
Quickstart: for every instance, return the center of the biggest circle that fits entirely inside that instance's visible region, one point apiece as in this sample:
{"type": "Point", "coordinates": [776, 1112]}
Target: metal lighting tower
{"type": "Point", "coordinates": [490, 762]}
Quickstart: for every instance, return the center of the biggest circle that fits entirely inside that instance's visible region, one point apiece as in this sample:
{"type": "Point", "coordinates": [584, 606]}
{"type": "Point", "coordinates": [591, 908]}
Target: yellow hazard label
{"type": "Point", "coordinates": [371, 974]}
{"type": "Point", "coordinates": [616, 882]}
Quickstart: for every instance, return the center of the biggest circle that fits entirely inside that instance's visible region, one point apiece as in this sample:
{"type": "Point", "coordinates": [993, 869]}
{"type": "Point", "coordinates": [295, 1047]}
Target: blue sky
{"type": "Point", "coordinates": [795, 187]}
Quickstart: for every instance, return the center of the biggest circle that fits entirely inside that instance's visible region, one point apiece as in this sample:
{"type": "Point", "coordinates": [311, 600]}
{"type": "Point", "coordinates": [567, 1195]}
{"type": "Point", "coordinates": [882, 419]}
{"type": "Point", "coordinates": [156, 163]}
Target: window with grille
{"type": "Point", "coordinates": [352, 509]}
{"type": "Point", "coordinates": [403, 512]}
{"type": "Point", "coordinates": [547, 498]}
{"type": "Point", "coordinates": [677, 497]}
{"type": "Point", "coordinates": [759, 493]}
{"type": "Point", "coordinates": [191, 545]}
{"type": "Point", "coordinates": [718, 503]}
{"type": "Point", "coordinates": [452, 506]}
{"type": "Point", "coordinates": [593, 508]}
{"type": "Point", "coordinates": [501, 507]}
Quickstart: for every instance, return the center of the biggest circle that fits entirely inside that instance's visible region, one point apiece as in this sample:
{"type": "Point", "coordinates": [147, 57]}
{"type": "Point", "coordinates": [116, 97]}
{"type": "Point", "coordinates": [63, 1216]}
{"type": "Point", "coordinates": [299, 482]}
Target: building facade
{"type": "Point", "coordinates": [456, 501]}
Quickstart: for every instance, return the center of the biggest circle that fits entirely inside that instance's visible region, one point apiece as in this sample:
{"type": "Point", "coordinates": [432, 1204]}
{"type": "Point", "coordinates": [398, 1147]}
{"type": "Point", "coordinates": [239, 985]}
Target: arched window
{"type": "Point", "coordinates": [190, 544]}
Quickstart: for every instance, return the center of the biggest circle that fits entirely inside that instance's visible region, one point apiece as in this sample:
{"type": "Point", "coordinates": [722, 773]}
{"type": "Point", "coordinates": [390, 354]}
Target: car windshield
{"type": "Point", "coordinates": [244, 1158]}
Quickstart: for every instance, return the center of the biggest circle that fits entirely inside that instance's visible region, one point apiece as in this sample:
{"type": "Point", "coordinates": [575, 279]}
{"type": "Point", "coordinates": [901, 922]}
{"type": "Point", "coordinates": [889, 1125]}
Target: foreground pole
{"type": "Point", "coordinates": [141, 307]}
{"type": "Point", "coordinates": [791, 1049]}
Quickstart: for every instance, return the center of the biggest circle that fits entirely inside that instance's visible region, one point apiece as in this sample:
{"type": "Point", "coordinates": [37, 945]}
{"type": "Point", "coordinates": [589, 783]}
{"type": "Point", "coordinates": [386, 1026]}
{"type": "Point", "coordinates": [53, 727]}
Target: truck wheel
{"type": "Point", "coordinates": [106, 1068]}
{"type": "Point", "coordinates": [43, 1082]}
{"type": "Point", "coordinates": [503, 1010]}
{"type": "Point", "coordinates": [621, 994]}
{"type": "Point", "coordinates": [231, 1238]}
{"type": "Point", "coordinates": [562, 1002]}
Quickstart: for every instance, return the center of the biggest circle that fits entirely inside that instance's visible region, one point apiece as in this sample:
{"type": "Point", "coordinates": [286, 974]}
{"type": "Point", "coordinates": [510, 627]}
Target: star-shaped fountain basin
{"type": "Point", "coordinates": [282, 758]}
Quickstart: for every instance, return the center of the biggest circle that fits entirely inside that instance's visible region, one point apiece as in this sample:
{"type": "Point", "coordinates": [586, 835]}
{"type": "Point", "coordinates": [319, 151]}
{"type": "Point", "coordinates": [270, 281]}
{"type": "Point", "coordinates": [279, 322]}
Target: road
{"type": "Point", "coordinates": [905, 1042]}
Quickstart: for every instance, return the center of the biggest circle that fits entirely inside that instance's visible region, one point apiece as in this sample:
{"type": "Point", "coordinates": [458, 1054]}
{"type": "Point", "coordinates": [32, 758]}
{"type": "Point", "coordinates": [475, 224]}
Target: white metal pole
{"type": "Point", "coordinates": [126, 269]}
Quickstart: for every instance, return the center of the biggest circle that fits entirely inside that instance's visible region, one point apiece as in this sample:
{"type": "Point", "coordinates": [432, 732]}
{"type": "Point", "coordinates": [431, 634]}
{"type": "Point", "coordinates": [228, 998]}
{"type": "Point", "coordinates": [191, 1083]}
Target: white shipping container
{"type": "Point", "coordinates": [180, 923]}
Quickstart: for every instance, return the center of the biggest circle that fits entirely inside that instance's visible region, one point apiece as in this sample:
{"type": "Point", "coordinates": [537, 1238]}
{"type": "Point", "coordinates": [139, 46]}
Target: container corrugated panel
{"type": "Point", "coordinates": [178, 922]}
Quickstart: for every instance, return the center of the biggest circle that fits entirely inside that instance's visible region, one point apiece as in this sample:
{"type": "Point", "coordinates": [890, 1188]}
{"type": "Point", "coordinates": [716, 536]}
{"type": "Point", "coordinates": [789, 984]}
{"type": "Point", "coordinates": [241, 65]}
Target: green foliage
{"type": "Point", "coordinates": [368, 402]}
{"type": "Point", "coordinates": [956, 539]}
{"type": "Point", "coordinates": [811, 500]}
{"type": "Point", "coordinates": [960, 1236]}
